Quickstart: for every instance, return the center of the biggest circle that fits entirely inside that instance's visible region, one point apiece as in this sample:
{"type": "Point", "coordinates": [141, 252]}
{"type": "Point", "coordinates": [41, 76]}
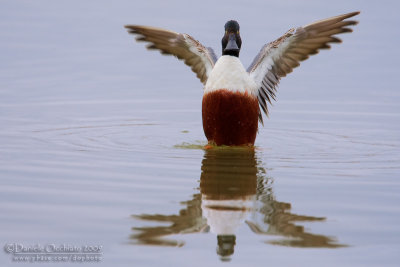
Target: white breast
{"type": "Point", "coordinates": [229, 73]}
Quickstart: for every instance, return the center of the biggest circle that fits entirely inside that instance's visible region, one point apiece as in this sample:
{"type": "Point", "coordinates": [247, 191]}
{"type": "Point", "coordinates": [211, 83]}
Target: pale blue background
{"type": "Point", "coordinates": [89, 120]}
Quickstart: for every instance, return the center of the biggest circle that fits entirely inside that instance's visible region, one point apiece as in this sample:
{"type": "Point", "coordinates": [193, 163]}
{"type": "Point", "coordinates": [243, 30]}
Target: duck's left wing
{"type": "Point", "coordinates": [200, 58]}
{"type": "Point", "coordinates": [279, 57]}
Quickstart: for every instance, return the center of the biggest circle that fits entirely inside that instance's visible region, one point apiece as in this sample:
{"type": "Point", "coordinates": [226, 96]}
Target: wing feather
{"type": "Point", "coordinates": [280, 57]}
{"type": "Point", "coordinates": [183, 46]}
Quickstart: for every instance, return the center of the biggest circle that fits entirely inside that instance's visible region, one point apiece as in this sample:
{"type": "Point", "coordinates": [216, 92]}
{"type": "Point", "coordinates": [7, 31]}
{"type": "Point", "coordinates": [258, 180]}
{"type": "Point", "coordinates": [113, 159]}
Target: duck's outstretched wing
{"type": "Point", "coordinates": [279, 57]}
{"type": "Point", "coordinates": [201, 59]}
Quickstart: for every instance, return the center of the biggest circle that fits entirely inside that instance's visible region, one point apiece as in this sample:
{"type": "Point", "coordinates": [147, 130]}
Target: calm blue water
{"type": "Point", "coordinates": [101, 140]}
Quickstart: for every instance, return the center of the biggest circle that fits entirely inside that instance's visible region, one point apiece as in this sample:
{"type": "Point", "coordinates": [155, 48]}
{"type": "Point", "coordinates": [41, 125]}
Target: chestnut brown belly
{"type": "Point", "coordinates": [230, 118]}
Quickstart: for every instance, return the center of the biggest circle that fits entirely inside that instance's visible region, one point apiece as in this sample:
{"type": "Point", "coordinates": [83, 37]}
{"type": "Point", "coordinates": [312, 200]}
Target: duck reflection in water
{"type": "Point", "coordinates": [234, 190]}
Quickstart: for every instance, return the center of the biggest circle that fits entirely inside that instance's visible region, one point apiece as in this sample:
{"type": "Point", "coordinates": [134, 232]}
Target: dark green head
{"type": "Point", "coordinates": [231, 41]}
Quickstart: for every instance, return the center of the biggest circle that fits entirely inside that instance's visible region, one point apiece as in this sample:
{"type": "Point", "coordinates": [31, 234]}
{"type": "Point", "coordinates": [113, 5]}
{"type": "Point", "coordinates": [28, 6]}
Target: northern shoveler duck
{"type": "Point", "coordinates": [233, 96]}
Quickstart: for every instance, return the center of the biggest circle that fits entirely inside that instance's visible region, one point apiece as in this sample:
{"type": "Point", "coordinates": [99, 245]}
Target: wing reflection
{"type": "Point", "coordinates": [234, 190]}
{"type": "Point", "coordinates": [189, 220]}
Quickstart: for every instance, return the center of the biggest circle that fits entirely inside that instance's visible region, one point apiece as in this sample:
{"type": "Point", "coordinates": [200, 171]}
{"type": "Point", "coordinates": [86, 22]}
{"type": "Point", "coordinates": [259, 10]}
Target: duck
{"type": "Point", "coordinates": [235, 98]}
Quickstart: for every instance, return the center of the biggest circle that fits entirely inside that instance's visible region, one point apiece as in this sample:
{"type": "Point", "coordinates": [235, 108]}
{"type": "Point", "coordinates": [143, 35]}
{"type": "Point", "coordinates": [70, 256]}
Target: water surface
{"type": "Point", "coordinates": [102, 142]}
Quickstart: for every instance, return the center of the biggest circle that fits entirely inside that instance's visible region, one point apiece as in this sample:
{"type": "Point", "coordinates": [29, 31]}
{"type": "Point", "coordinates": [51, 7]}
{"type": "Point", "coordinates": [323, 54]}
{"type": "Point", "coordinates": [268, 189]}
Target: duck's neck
{"type": "Point", "coordinates": [233, 53]}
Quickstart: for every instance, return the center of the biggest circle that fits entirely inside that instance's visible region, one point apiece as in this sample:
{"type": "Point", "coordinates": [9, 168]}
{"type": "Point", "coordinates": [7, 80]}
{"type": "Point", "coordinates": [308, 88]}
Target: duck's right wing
{"type": "Point", "coordinates": [200, 58]}
{"type": "Point", "coordinates": [279, 57]}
